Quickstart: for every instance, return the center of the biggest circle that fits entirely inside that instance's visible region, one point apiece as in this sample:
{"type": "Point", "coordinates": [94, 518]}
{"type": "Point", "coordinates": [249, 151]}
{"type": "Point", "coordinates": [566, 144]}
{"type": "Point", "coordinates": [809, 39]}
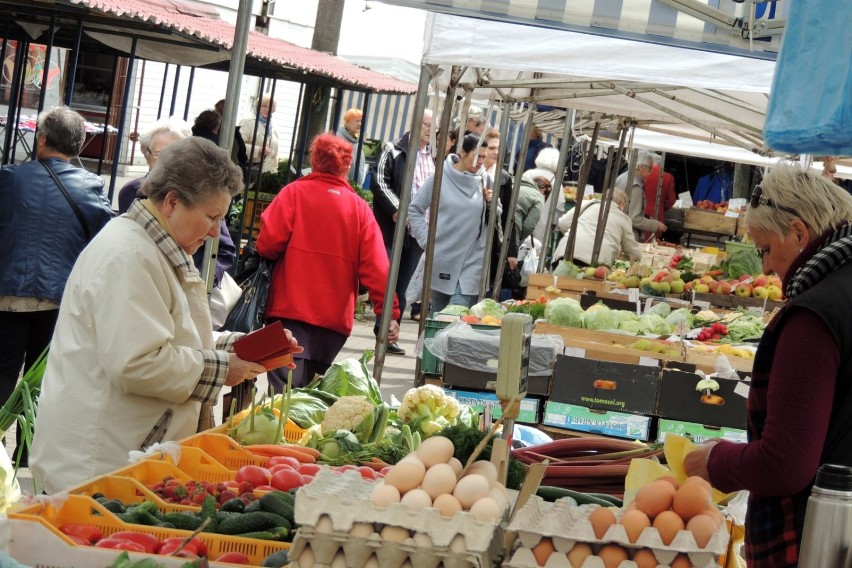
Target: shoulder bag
{"type": "Point", "coordinates": [67, 194]}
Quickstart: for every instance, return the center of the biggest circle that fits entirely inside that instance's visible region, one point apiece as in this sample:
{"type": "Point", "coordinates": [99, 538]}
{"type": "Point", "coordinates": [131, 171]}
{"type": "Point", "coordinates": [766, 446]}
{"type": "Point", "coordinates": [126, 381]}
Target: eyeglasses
{"type": "Point", "coordinates": [757, 199]}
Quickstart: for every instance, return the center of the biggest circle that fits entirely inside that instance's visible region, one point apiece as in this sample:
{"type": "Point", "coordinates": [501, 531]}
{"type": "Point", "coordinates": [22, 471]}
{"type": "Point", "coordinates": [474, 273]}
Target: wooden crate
{"type": "Point", "coordinates": [709, 221]}
{"type": "Point", "coordinates": [732, 301]}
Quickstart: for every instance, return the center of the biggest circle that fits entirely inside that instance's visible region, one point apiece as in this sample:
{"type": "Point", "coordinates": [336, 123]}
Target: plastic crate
{"type": "Point", "coordinates": [223, 449]}
{"type": "Point", "coordinates": [128, 491]}
{"type": "Point", "coordinates": [431, 364]}
{"type": "Point", "coordinates": [292, 431]}
{"type": "Point", "coordinates": [149, 472]}
{"type": "Point", "coordinates": [85, 510]}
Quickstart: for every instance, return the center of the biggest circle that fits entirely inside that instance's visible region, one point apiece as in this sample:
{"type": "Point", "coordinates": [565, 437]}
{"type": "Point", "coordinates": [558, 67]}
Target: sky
{"type": "Point", "coordinates": [382, 30]}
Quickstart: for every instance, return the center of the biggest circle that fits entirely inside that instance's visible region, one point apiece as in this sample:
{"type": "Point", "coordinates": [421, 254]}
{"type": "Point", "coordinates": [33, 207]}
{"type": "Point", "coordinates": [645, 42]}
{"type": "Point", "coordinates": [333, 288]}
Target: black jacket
{"type": "Point", "coordinates": [386, 185]}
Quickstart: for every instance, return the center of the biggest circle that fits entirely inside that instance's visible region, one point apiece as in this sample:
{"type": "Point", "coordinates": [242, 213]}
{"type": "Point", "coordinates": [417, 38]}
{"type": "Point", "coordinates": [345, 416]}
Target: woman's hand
{"type": "Point", "coordinates": [487, 193]}
{"type": "Point", "coordinates": [393, 332]}
{"type": "Point", "coordinates": [294, 346]}
{"type": "Point", "coordinates": [695, 462]}
{"type": "Point", "coordinates": [240, 370]}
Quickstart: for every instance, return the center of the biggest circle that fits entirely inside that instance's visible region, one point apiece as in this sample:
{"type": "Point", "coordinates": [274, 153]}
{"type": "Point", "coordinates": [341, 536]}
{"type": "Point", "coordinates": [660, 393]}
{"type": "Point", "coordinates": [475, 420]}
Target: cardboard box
{"type": "Point", "coordinates": [618, 424]}
{"type": "Point", "coordinates": [697, 432]}
{"type": "Point", "coordinates": [678, 400]}
{"type": "Point", "coordinates": [456, 376]}
{"type": "Point", "coordinates": [604, 385]}
{"type": "Point", "coordinates": [530, 407]}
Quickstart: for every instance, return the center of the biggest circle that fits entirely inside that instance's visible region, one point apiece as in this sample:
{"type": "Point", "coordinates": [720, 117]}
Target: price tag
{"type": "Point", "coordinates": [701, 305]}
{"type": "Point", "coordinates": [649, 303]}
{"type": "Point", "coordinates": [756, 311]}
{"type": "Point", "coordinates": [649, 362]}
{"type": "Point", "coordinates": [733, 214]}
{"type": "Point", "coordinates": [742, 389]}
{"type": "Point", "coordinates": [686, 199]}
{"type": "Point", "coordinates": [575, 352]}
{"type": "Point", "coordinates": [633, 294]}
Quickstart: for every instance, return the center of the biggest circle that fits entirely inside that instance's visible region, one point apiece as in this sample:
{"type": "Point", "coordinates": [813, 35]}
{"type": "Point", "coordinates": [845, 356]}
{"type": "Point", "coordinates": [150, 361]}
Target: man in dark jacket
{"type": "Point", "coordinates": [42, 235]}
{"type": "Point", "coordinates": [386, 188]}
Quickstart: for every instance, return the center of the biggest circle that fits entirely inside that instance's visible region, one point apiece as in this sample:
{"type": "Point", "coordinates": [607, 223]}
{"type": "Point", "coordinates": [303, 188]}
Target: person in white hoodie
{"type": "Point", "coordinates": [617, 237]}
{"type": "Point", "coordinates": [462, 232]}
{"type": "Point", "coordinates": [545, 166]}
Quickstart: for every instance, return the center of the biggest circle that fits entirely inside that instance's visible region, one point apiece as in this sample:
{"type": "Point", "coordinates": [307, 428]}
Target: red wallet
{"type": "Point", "coordinates": [268, 346]}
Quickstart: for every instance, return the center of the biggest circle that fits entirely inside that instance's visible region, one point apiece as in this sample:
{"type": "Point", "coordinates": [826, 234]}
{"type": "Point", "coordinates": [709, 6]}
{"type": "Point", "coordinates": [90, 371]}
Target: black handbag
{"type": "Point", "coordinates": [248, 313]}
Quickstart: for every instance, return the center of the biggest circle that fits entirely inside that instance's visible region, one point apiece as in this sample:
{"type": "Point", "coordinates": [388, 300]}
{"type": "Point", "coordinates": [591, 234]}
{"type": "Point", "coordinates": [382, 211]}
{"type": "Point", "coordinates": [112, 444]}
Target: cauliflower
{"type": "Point", "coordinates": [357, 415]}
{"type": "Point", "coordinates": [428, 410]}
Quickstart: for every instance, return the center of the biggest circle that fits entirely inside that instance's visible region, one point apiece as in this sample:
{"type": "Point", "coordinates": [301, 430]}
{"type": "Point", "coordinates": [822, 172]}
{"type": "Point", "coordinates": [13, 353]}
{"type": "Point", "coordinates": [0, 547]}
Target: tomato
{"type": "Point", "coordinates": [232, 484]}
{"type": "Point", "coordinates": [307, 479]}
{"type": "Point", "coordinates": [234, 558]}
{"type": "Point", "coordinates": [309, 469]}
{"type": "Point", "coordinates": [120, 544]}
{"type": "Point", "coordinates": [277, 460]}
{"type": "Point", "coordinates": [276, 468]}
{"type": "Point", "coordinates": [194, 546]}
{"type": "Point", "coordinates": [148, 541]}
{"type": "Point", "coordinates": [343, 468]}
{"type": "Point", "coordinates": [79, 540]}
{"type": "Point", "coordinates": [254, 474]}
{"type": "Point", "coordinates": [265, 487]}
{"type": "Point", "coordinates": [367, 472]}
{"type": "Point", "coordinates": [384, 471]}
{"type": "Point", "coordinates": [286, 479]}
{"type": "Point", "coordinates": [89, 532]}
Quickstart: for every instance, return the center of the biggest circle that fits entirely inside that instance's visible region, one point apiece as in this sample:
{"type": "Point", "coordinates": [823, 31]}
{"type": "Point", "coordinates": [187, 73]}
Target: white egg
{"type": "Point", "coordinates": [384, 494]}
{"type": "Point", "coordinates": [457, 466]}
{"type": "Point", "coordinates": [436, 449]}
{"type": "Point", "coordinates": [406, 475]}
{"type": "Point", "coordinates": [394, 534]}
{"type": "Point", "coordinates": [306, 558]}
{"type": "Point", "coordinates": [447, 505]}
{"type": "Point", "coordinates": [458, 544]}
{"type": "Point", "coordinates": [486, 469]}
{"type": "Point", "coordinates": [486, 510]}
{"type": "Point", "coordinates": [339, 560]}
{"type": "Point", "coordinates": [439, 479]}
{"type": "Point", "coordinates": [499, 498]}
{"type": "Point", "coordinates": [324, 525]}
{"type": "Point", "coordinates": [471, 488]}
{"type": "Point", "coordinates": [372, 562]}
{"type": "Point", "coordinates": [423, 540]}
{"type": "Point", "coordinates": [361, 530]}
{"type": "Point", "coordinates": [416, 500]}
{"type": "Point", "coordinates": [407, 564]}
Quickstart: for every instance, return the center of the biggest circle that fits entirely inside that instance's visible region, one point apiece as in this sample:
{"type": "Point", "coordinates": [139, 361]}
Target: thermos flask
{"type": "Point", "coordinates": [827, 538]}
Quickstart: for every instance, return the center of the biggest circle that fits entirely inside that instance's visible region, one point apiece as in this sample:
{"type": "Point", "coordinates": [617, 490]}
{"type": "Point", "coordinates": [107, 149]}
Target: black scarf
{"type": "Point", "coordinates": [834, 252]}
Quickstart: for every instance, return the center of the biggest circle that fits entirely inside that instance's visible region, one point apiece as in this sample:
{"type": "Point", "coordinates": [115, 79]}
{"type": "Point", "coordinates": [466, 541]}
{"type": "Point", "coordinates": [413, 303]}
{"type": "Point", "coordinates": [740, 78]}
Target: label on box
{"type": "Point", "coordinates": [697, 432]}
{"type": "Point", "coordinates": [610, 423]}
{"type": "Point", "coordinates": [742, 389]}
{"type": "Point", "coordinates": [633, 296]}
{"type": "Point", "coordinates": [477, 401]}
{"type": "Point", "coordinates": [578, 352]}
{"type": "Point", "coordinates": [649, 362]}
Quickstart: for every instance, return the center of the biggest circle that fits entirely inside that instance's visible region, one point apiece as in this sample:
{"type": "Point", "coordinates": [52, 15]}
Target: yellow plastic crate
{"type": "Point", "coordinates": [292, 431]}
{"type": "Point", "coordinates": [85, 510]}
{"type": "Point", "coordinates": [128, 491]}
{"type": "Point", "coordinates": [223, 449]}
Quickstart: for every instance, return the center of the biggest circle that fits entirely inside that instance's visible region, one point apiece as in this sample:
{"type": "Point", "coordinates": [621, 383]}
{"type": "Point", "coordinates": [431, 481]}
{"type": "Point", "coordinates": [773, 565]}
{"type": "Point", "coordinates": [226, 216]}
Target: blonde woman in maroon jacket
{"type": "Point", "coordinates": [325, 239]}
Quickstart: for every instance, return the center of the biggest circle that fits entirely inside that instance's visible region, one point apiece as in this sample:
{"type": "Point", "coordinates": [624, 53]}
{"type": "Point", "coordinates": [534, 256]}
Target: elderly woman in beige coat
{"type": "Point", "coordinates": [133, 358]}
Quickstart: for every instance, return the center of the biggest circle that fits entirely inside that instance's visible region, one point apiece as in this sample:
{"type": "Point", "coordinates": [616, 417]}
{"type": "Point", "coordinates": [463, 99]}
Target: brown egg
{"type": "Point", "coordinates": [655, 498]}
{"type": "Point", "coordinates": [670, 480]}
{"type": "Point", "coordinates": [681, 561]}
{"type": "Point", "coordinates": [715, 514]}
{"type": "Point", "coordinates": [668, 523]}
{"type": "Point", "coordinates": [543, 550]}
{"type": "Point", "coordinates": [702, 527]}
{"type": "Point", "coordinates": [634, 523]}
{"type": "Point", "coordinates": [612, 555]}
{"type": "Point", "coordinates": [578, 554]}
{"type": "Point", "coordinates": [699, 480]}
{"type": "Point", "coordinates": [644, 558]}
{"type": "Point", "coordinates": [601, 519]}
{"type": "Point", "coordinates": [690, 500]}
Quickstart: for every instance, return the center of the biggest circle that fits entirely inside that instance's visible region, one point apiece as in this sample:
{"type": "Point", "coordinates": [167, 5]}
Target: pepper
{"type": "Point", "coordinates": [120, 544]}
{"type": "Point", "coordinates": [89, 532]}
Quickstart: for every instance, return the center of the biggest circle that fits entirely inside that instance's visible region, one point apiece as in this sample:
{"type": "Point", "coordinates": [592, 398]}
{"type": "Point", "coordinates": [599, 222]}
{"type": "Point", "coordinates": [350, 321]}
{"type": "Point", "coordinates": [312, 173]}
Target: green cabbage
{"type": "Point", "coordinates": [567, 268]}
{"type": "Point", "coordinates": [744, 261]}
{"type": "Point", "coordinates": [634, 326]}
{"type": "Point", "coordinates": [564, 311]}
{"type": "Point", "coordinates": [455, 310]}
{"type": "Point", "coordinates": [601, 319]}
{"type": "Point", "coordinates": [350, 377]}
{"type": "Point", "coordinates": [488, 307]}
{"type": "Point", "coordinates": [661, 309]}
{"type": "Point", "coordinates": [596, 307]}
{"type": "Point", "coordinates": [680, 315]}
{"type": "Point", "coordinates": [656, 325]}
{"type": "Point", "coordinates": [625, 315]}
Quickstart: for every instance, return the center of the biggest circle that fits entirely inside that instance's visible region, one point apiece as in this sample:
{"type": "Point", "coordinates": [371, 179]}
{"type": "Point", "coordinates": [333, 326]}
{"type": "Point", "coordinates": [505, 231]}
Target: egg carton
{"type": "Point", "coordinates": [345, 499]}
{"type": "Point", "coordinates": [524, 558]}
{"type": "Point", "coordinates": [538, 519]}
{"type": "Point", "coordinates": [357, 550]}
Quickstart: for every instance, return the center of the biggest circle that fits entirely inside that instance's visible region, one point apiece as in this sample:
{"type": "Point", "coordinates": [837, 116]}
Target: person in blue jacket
{"type": "Point", "coordinates": [43, 231]}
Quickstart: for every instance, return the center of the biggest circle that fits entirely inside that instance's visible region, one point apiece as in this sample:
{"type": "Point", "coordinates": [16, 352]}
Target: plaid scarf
{"type": "Point", "coordinates": [834, 252]}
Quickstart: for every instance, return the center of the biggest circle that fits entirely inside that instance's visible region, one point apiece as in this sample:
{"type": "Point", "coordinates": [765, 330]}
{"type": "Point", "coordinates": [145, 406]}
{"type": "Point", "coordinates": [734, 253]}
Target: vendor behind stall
{"type": "Point", "coordinates": [133, 358]}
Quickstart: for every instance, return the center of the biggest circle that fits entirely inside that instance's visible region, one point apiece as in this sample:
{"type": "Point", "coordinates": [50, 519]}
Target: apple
{"type": "Point", "coordinates": [621, 285]}
{"type": "Point", "coordinates": [601, 272]}
{"type": "Point", "coordinates": [645, 281]}
{"type": "Point", "coordinates": [678, 286]}
{"type": "Point", "coordinates": [744, 278]}
{"type": "Point", "coordinates": [589, 272]}
{"type": "Point", "coordinates": [774, 292]}
{"type": "Point", "coordinates": [760, 292]}
{"type": "Point", "coordinates": [675, 275]}
{"type": "Point", "coordinates": [762, 280]}
{"type": "Point", "coordinates": [665, 287]}
{"type": "Point", "coordinates": [655, 286]}
{"type": "Point", "coordinates": [775, 281]}
{"type": "Point", "coordinates": [712, 285]}
{"type": "Point", "coordinates": [723, 288]}
{"type": "Point", "coordinates": [632, 282]}
{"type": "Point", "coordinates": [702, 288]}
{"type": "Point", "coordinates": [743, 290]}
{"type": "Point", "coordinates": [707, 279]}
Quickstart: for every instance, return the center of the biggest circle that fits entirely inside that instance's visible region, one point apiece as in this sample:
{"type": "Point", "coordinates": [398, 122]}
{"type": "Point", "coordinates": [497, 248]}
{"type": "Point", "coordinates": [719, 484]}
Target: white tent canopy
{"type": "Point", "coordinates": [656, 85]}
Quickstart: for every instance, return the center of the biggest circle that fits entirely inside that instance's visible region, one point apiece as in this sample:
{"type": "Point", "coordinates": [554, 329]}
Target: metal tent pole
{"type": "Point", "coordinates": [24, 46]}
{"type": "Point", "coordinates": [606, 198]}
{"type": "Point", "coordinates": [497, 184]}
{"type": "Point", "coordinates": [175, 85]}
{"type": "Point", "coordinates": [163, 92]}
{"type": "Point", "coordinates": [402, 218]}
{"type": "Point", "coordinates": [659, 186]}
{"type": "Point", "coordinates": [189, 93]}
{"type": "Point", "coordinates": [359, 150]}
{"type": "Point", "coordinates": [46, 70]}
{"type": "Point", "coordinates": [564, 150]}
{"type": "Point", "coordinates": [106, 122]}
{"type": "Point", "coordinates": [71, 71]}
{"type": "Point", "coordinates": [13, 108]}
{"type": "Point", "coordinates": [128, 84]}
{"type": "Point", "coordinates": [581, 183]}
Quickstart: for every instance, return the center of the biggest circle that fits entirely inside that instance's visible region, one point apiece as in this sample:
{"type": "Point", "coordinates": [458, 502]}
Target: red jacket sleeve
{"type": "Point", "coordinates": [275, 227]}
{"type": "Point", "coordinates": [374, 267]}
{"type": "Point", "coordinates": [799, 402]}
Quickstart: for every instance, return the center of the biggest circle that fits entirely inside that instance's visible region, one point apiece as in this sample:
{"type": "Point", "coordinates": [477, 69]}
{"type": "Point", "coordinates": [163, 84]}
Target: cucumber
{"type": "Point", "coordinates": [278, 502]}
{"type": "Point", "coordinates": [251, 522]}
{"type": "Point", "coordinates": [615, 501]}
{"type": "Point", "coordinates": [553, 493]}
{"type": "Point", "coordinates": [236, 505]}
{"type": "Point", "coordinates": [277, 559]}
{"type": "Point", "coordinates": [183, 521]}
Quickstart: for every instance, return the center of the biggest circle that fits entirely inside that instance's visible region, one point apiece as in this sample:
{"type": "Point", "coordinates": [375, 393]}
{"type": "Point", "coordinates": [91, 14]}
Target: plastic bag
{"type": "Point", "coordinates": [248, 313]}
{"type": "Point", "coordinates": [815, 51]}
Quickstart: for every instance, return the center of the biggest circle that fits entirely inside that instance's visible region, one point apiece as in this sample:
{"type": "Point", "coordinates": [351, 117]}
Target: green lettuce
{"type": "Point", "coordinates": [455, 310]}
{"type": "Point", "coordinates": [487, 307]}
{"type": "Point", "coordinates": [564, 311]}
{"type": "Point", "coordinates": [350, 377]}
{"type": "Point", "coordinates": [743, 262]}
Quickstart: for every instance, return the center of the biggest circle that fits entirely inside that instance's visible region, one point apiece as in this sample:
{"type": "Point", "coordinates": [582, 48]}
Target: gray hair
{"type": "Point", "coordinates": [619, 198]}
{"type": "Point", "coordinates": [819, 203]}
{"type": "Point", "coordinates": [658, 160]}
{"type": "Point", "coordinates": [547, 159]}
{"type": "Point", "coordinates": [475, 114]}
{"type": "Point", "coordinates": [196, 169]}
{"type": "Point", "coordinates": [268, 102]}
{"type": "Point", "coordinates": [174, 127]}
{"type": "Point", "coordinates": [645, 158]}
{"type": "Point", "coordinates": [64, 130]}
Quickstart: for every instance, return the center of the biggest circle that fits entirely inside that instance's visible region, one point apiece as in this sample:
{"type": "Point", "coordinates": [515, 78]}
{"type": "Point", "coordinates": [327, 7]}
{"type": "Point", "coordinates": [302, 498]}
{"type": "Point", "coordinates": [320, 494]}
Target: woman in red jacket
{"type": "Point", "coordinates": [326, 241]}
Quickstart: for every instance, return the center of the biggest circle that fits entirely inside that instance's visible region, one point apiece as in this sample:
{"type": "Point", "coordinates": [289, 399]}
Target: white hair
{"type": "Point", "coordinates": [177, 128]}
{"type": "Point", "coordinates": [547, 159]}
{"type": "Point", "coordinates": [645, 158]}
